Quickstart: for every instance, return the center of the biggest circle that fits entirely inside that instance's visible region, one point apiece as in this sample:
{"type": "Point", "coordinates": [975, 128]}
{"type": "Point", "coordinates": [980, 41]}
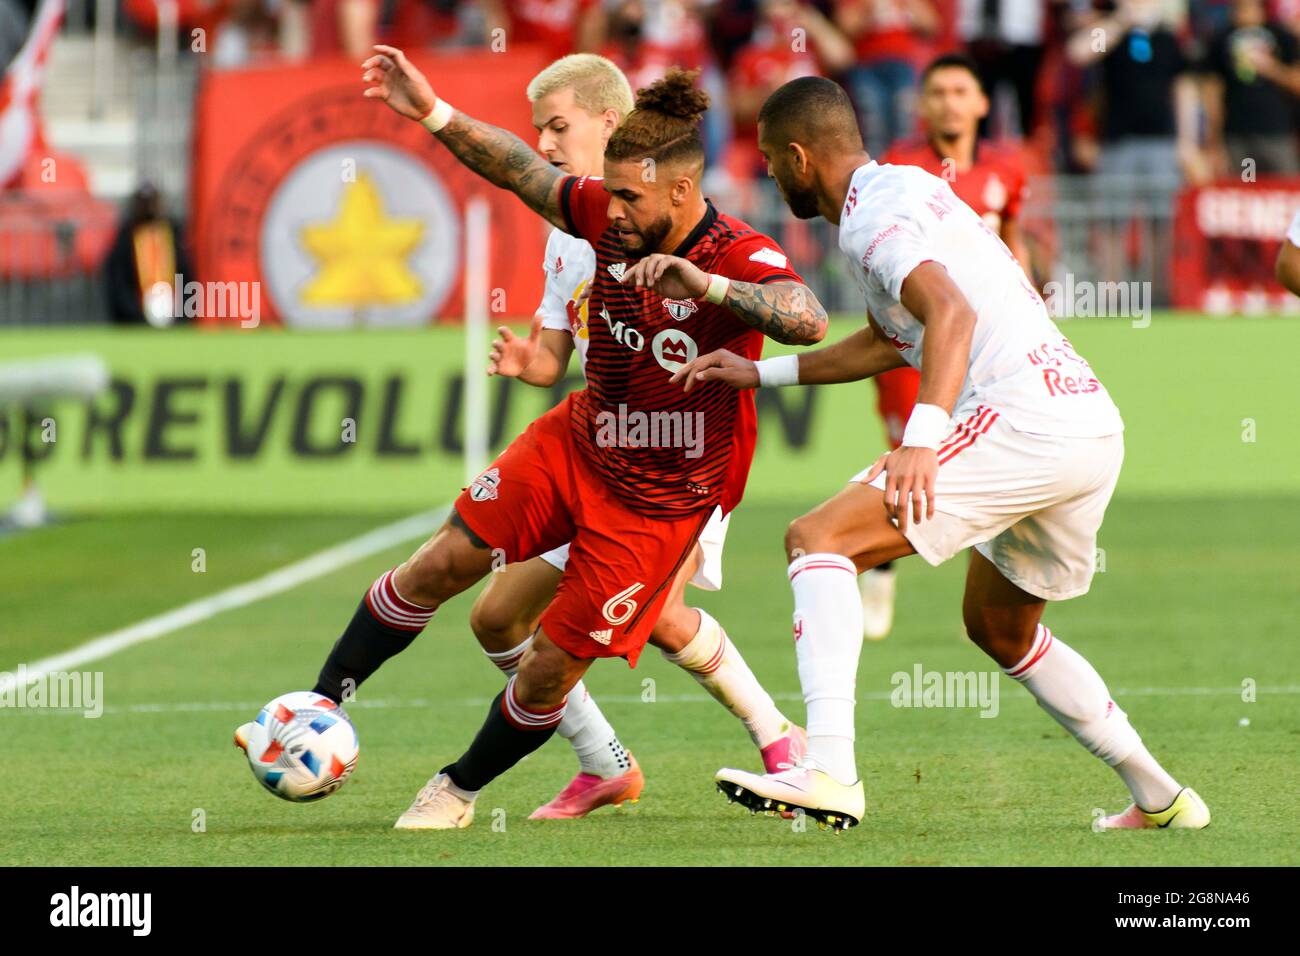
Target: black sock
{"type": "Point", "coordinates": [365, 644]}
{"type": "Point", "coordinates": [498, 747]}
{"type": "Point", "coordinates": [886, 566]}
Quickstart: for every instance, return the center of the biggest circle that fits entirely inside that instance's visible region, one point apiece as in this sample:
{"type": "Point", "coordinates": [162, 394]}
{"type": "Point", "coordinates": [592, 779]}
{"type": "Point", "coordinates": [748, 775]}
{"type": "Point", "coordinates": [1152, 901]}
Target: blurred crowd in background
{"type": "Point", "coordinates": [1159, 87]}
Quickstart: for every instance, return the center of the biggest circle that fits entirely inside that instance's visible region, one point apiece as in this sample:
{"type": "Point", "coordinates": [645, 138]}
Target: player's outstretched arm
{"type": "Point", "coordinates": [785, 311]}
{"type": "Point", "coordinates": [861, 355]}
{"type": "Point", "coordinates": [498, 155]}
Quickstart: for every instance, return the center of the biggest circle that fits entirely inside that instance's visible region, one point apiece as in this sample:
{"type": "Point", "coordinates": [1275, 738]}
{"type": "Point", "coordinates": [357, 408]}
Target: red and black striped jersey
{"type": "Point", "coordinates": [664, 452]}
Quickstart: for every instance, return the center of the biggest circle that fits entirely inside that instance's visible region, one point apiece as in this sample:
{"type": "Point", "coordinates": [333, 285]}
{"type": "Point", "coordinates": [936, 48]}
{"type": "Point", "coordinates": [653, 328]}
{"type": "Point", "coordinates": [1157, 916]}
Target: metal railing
{"type": "Point", "coordinates": [50, 272]}
{"type": "Point", "coordinates": [1093, 228]}
{"type": "Point", "coordinates": [1102, 229]}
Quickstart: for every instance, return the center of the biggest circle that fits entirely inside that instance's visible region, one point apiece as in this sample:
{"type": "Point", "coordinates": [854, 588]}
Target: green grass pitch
{"type": "Point", "coordinates": [1195, 608]}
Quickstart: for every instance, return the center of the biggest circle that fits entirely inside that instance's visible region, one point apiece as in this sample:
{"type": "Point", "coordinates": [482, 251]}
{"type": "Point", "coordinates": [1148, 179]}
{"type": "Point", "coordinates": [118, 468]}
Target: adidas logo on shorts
{"type": "Point", "coordinates": [603, 637]}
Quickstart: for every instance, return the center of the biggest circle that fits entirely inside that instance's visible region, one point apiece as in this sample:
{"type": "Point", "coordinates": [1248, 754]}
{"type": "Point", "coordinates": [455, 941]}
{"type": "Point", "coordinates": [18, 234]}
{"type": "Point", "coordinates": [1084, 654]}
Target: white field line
{"type": "Point", "coordinates": [241, 595]}
{"type": "Point", "coordinates": [380, 703]}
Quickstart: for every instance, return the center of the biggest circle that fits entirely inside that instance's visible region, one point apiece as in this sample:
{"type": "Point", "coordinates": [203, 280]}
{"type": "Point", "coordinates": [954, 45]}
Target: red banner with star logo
{"type": "Point", "coordinates": [342, 212]}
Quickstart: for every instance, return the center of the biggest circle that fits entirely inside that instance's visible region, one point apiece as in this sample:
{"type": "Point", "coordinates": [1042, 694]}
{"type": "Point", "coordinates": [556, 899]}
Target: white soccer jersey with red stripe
{"type": "Point", "coordinates": [569, 265]}
{"type": "Point", "coordinates": [1021, 366]}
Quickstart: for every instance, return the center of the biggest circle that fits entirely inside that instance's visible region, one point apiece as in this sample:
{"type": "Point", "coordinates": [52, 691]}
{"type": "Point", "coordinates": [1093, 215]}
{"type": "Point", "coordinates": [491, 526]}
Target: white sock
{"type": "Point", "coordinates": [508, 661]}
{"type": "Point", "coordinates": [1071, 690]}
{"type": "Point", "coordinates": [828, 639]}
{"type": "Point", "coordinates": [717, 665]}
{"type": "Point", "coordinates": [583, 726]}
{"type": "Point", "coordinates": [591, 736]}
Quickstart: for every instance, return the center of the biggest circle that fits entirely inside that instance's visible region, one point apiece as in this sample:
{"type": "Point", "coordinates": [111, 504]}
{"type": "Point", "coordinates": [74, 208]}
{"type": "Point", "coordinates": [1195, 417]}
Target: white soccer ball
{"type": "Point", "coordinates": [301, 746]}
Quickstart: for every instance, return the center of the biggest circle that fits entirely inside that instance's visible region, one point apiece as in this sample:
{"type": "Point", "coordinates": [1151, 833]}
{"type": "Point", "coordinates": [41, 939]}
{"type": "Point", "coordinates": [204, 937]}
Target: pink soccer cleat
{"type": "Point", "coordinates": [785, 752]}
{"type": "Point", "coordinates": [587, 791]}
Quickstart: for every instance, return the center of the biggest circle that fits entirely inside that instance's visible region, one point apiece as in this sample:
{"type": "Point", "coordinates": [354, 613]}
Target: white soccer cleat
{"type": "Point", "coordinates": [1187, 812]}
{"type": "Point", "coordinates": [815, 792]}
{"type": "Point", "coordinates": [439, 806]}
{"type": "Point", "coordinates": [877, 587]}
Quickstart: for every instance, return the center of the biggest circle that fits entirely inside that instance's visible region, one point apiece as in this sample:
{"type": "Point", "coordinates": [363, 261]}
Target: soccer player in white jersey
{"type": "Point", "coordinates": [1013, 450]}
{"type": "Point", "coordinates": [577, 102]}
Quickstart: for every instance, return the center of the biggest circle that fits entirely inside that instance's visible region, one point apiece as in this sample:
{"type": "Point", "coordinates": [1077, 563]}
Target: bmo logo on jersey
{"type": "Point", "coordinates": [674, 349]}
{"type": "Point", "coordinates": [623, 333]}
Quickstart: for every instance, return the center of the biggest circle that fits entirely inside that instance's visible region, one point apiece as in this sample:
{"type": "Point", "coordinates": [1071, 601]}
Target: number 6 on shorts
{"type": "Point", "coordinates": [622, 599]}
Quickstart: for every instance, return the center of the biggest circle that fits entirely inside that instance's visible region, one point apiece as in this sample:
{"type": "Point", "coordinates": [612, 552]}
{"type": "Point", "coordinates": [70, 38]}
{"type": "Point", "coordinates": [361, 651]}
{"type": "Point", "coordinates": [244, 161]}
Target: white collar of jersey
{"type": "Point", "coordinates": [857, 183]}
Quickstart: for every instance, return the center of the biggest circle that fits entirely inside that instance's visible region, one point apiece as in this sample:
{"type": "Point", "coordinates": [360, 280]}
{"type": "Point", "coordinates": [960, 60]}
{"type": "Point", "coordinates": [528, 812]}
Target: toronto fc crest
{"type": "Point", "coordinates": [485, 485]}
{"type": "Point", "coordinates": [680, 309]}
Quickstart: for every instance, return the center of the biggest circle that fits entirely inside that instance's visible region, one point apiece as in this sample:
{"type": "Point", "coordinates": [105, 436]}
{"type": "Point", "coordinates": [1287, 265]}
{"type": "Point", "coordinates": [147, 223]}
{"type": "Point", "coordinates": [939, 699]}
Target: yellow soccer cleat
{"type": "Point", "coordinates": [813, 791]}
{"type": "Point", "coordinates": [1187, 812]}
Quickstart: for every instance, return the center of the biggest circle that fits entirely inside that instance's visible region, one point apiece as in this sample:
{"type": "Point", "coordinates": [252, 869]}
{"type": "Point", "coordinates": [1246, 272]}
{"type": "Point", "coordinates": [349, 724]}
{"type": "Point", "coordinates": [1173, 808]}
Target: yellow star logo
{"type": "Point", "coordinates": [362, 253]}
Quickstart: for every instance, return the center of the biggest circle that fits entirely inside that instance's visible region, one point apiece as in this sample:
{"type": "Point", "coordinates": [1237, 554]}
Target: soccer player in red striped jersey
{"type": "Point", "coordinates": [578, 101]}
{"type": "Point", "coordinates": [629, 469]}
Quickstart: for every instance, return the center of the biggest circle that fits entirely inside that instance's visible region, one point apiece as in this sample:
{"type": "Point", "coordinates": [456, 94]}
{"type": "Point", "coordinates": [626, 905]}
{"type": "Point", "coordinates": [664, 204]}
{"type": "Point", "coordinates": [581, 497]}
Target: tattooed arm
{"type": "Point", "coordinates": [499, 156]}
{"type": "Point", "coordinates": [785, 311]}
{"type": "Point", "coordinates": [505, 160]}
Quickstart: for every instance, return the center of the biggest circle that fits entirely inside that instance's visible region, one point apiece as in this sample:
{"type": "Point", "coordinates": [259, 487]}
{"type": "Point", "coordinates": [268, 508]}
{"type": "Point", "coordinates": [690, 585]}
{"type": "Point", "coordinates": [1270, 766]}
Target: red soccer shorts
{"type": "Point", "coordinates": [895, 395]}
{"type": "Point", "coordinates": [542, 492]}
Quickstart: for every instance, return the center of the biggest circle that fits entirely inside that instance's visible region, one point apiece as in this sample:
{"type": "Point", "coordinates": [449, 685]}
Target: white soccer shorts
{"type": "Point", "coordinates": [708, 577]}
{"type": "Point", "coordinates": [1031, 504]}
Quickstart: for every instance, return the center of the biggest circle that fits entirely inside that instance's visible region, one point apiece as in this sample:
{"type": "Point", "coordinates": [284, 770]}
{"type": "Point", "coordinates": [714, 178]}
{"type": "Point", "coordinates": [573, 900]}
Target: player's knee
{"type": "Point", "coordinates": [1005, 642]}
{"type": "Point", "coordinates": [544, 678]}
{"type": "Point", "coordinates": [429, 577]}
{"type": "Point", "coordinates": [496, 625]}
{"type": "Point", "coordinates": [675, 628]}
{"type": "Point", "coordinates": [445, 565]}
{"type": "Point", "coordinates": [804, 536]}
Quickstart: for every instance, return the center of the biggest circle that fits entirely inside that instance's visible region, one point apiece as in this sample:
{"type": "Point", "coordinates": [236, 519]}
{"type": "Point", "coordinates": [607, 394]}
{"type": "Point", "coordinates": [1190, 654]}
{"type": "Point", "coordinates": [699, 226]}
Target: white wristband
{"type": "Point", "coordinates": [439, 116]}
{"type": "Point", "coordinates": [927, 427]}
{"type": "Point", "coordinates": [782, 370]}
{"type": "Point", "coordinates": [717, 290]}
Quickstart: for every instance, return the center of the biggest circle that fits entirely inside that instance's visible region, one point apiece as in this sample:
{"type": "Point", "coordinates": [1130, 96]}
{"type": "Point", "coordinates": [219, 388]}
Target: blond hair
{"type": "Point", "coordinates": [598, 85]}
